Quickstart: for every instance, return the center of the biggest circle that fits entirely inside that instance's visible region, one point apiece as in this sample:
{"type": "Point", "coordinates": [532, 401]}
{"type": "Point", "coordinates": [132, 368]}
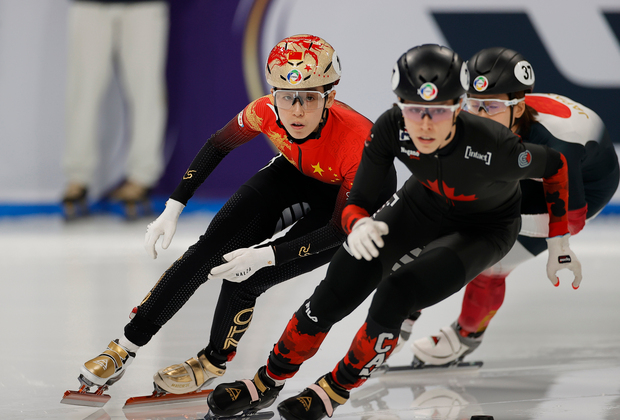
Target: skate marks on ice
{"type": "Point", "coordinates": [420, 367]}
{"type": "Point", "coordinates": [99, 415]}
{"type": "Point", "coordinates": [567, 342]}
{"type": "Point", "coordinates": [550, 391]}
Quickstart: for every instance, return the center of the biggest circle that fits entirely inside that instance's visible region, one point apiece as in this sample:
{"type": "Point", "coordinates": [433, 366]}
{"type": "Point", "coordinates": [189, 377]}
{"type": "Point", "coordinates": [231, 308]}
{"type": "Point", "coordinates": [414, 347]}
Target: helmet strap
{"type": "Point", "coordinates": [453, 124]}
{"type": "Point", "coordinates": [512, 118]}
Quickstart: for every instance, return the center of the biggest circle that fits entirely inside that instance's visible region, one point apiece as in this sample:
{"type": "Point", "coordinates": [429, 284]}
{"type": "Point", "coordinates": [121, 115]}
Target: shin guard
{"type": "Point", "coordinates": [484, 295]}
{"type": "Point", "coordinates": [299, 342]}
{"type": "Point", "coordinates": [370, 348]}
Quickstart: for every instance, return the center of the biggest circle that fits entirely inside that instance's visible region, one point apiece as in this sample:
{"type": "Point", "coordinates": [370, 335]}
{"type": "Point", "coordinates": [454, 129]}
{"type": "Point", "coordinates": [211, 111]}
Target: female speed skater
{"type": "Point", "coordinates": [320, 142]}
{"type": "Point", "coordinates": [501, 84]}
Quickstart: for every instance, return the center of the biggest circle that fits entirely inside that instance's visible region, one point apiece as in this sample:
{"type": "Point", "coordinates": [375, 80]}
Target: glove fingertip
{"type": "Point", "coordinates": [558, 283]}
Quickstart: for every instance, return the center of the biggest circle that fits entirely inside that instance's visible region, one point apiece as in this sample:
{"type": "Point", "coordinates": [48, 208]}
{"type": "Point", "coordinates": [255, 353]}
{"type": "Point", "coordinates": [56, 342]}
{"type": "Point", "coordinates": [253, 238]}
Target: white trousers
{"type": "Point", "coordinates": [136, 35]}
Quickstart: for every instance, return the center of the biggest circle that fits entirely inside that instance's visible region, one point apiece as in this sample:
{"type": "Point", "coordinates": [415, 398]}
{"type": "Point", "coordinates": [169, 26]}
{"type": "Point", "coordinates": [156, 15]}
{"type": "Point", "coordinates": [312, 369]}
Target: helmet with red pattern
{"type": "Point", "coordinates": [302, 61]}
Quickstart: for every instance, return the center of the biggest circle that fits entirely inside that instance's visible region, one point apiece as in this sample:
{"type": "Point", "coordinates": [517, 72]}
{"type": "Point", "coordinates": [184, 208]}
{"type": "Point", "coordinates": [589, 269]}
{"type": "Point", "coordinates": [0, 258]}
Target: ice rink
{"type": "Point", "coordinates": [67, 290]}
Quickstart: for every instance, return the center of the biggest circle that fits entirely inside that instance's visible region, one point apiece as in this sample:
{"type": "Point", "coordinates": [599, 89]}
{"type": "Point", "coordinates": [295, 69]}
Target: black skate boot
{"type": "Point", "coordinates": [244, 396]}
{"type": "Point", "coordinates": [315, 402]}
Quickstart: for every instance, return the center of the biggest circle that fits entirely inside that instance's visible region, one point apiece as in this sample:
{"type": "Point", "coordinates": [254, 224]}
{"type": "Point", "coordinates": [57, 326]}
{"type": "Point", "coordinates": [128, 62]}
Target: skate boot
{"type": "Point", "coordinates": [315, 402]}
{"type": "Point", "coordinates": [135, 199]}
{"type": "Point", "coordinates": [108, 367]}
{"type": "Point", "coordinates": [244, 396]}
{"type": "Point", "coordinates": [102, 371]}
{"type": "Point", "coordinates": [74, 202]}
{"type": "Point", "coordinates": [190, 376]}
{"type": "Point", "coordinates": [450, 346]}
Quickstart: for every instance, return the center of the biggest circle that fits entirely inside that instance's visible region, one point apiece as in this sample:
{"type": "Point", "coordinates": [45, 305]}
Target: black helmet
{"type": "Point", "coordinates": [430, 73]}
{"type": "Point", "coordinates": [500, 70]}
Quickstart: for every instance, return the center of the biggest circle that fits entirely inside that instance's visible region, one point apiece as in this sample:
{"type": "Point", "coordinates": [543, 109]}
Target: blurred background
{"type": "Point", "coordinates": [214, 67]}
{"type": "Point", "coordinates": [552, 351]}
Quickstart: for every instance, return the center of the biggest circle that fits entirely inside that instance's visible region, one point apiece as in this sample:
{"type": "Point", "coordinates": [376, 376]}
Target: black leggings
{"type": "Point", "coordinates": [250, 216]}
{"type": "Point", "coordinates": [450, 253]}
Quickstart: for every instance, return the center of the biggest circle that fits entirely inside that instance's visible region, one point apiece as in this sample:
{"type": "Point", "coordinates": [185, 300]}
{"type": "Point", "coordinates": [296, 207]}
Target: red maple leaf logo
{"type": "Point", "coordinates": [447, 191]}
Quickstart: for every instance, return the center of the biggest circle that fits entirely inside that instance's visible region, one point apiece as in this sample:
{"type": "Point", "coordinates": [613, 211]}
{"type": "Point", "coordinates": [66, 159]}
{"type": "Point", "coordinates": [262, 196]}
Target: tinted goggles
{"type": "Point", "coordinates": [490, 106]}
{"type": "Point", "coordinates": [437, 113]}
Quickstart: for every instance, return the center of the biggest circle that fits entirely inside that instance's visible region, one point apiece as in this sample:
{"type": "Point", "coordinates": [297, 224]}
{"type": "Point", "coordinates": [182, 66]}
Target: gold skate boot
{"type": "Point", "coordinates": [102, 371]}
{"type": "Point", "coordinates": [190, 376]}
{"type": "Point", "coordinates": [109, 366]}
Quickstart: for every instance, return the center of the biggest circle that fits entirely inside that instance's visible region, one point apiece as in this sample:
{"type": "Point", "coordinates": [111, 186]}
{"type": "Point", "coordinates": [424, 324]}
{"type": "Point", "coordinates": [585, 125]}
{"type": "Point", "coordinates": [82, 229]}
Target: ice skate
{"type": "Point", "coordinates": [449, 347]}
{"type": "Point", "coordinates": [181, 382]}
{"type": "Point", "coordinates": [315, 402]}
{"type": "Point", "coordinates": [134, 198]}
{"type": "Point", "coordinates": [244, 396]}
{"type": "Point", "coordinates": [74, 202]}
{"type": "Point", "coordinates": [102, 371]}
{"type": "Point", "coordinates": [190, 376]}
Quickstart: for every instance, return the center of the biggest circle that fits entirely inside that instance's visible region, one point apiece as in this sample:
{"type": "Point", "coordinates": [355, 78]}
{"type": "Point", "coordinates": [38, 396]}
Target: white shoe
{"type": "Point", "coordinates": [449, 346]}
{"type": "Point", "coordinates": [109, 366]}
{"type": "Point", "coordinates": [189, 376]}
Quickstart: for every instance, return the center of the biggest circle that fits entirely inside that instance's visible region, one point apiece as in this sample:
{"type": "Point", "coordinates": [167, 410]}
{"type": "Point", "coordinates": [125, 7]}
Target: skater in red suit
{"type": "Point", "coordinates": [320, 142]}
{"type": "Point", "coordinates": [501, 84]}
{"type": "Point", "coordinates": [460, 212]}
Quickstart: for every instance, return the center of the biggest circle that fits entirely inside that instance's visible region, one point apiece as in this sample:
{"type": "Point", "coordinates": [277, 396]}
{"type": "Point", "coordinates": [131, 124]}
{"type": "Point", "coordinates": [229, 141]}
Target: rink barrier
{"type": "Point", "coordinates": [104, 207]}
{"type": "Point", "coordinates": [196, 205]}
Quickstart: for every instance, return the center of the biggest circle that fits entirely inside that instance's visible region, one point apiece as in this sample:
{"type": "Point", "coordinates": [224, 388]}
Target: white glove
{"type": "Point", "coordinates": [366, 237]}
{"type": "Point", "coordinates": [560, 257]}
{"type": "Point", "coordinates": [165, 224]}
{"type": "Point", "coordinates": [242, 263]}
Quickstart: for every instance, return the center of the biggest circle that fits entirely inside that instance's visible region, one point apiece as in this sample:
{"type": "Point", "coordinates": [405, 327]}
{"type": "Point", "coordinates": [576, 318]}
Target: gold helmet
{"type": "Point", "coordinates": [302, 61]}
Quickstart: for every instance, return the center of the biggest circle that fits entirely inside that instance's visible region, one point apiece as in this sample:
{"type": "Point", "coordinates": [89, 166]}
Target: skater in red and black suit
{"type": "Point", "coordinates": [501, 84]}
{"type": "Point", "coordinates": [460, 210]}
{"type": "Point", "coordinates": [320, 142]}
